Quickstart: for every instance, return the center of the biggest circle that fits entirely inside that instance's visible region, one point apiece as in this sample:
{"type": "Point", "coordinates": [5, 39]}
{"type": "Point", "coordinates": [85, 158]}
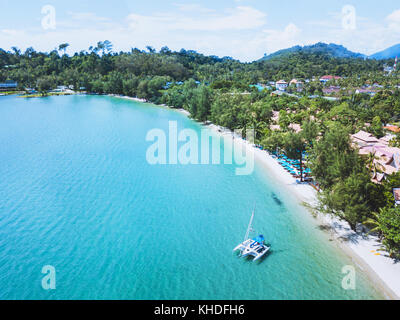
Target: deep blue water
{"type": "Point", "coordinates": [77, 193]}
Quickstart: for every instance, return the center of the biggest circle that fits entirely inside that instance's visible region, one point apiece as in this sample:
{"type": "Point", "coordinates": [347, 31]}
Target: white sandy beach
{"type": "Point", "coordinates": [366, 251]}
{"type": "Point", "coordinates": [127, 98]}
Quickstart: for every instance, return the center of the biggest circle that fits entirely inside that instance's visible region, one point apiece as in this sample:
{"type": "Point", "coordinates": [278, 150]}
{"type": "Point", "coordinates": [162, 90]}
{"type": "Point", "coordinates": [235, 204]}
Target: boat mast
{"type": "Point", "coordinates": [246, 237]}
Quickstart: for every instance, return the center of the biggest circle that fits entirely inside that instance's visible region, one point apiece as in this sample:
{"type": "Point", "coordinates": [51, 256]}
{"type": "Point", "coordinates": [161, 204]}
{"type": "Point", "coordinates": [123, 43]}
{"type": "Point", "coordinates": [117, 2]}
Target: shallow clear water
{"type": "Point", "coordinates": [77, 193]}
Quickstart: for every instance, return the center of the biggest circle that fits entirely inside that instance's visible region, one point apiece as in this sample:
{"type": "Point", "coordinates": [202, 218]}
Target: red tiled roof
{"type": "Point", "coordinates": [395, 129]}
{"type": "Point", "coordinates": [330, 78]}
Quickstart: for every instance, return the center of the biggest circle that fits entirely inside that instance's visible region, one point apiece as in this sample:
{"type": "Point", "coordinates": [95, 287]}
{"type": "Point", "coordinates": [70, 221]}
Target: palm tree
{"type": "Point", "coordinates": [107, 46]}
{"type": "Point", "coordinates": [150, 49]}
{"type": "Point", "coordinates": [104, 46]}
{"type": "Point", "coordinates": [373, 222]}
{"type": "Point", "coordinates": [63, 47]}
{"type": "Point", "coordinates": [372, 164]}
{"type": "Point", "coordinates": [100, 46]}
{"type": "Point", "coordinates": [16, 51]}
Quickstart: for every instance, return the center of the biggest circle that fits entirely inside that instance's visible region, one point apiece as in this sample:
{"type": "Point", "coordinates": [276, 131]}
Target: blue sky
{"type": "Point", "coordinates": [243, 29]}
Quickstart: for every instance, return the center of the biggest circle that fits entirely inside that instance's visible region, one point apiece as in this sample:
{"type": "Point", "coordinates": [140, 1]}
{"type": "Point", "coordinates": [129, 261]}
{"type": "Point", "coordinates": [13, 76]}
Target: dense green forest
{"type": "Point", "coordinates": [100, 70]}
{"type": "Point", "coordinates": [218, 90]}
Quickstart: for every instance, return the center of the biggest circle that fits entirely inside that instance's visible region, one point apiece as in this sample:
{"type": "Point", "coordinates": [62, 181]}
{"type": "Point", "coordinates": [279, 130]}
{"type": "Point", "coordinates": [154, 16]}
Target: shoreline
{"type": "Point", "coordinates": [365, 251]}
{"type": "Point", "coordinates": [362, 249]}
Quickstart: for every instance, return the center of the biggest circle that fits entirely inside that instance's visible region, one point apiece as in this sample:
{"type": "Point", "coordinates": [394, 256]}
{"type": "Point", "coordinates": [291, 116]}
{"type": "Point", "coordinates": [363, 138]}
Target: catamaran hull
{"type": "Point", "coordinates": [251, 248]}
{"type": "Point", "coordinates": [262, 254]}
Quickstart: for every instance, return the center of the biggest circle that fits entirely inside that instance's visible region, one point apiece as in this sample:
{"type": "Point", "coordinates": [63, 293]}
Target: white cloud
{"type": "Point", "coordinates": [192, 7]}
{"type": "Point", "coordinates": [221, 33]}
{"type": "Point", "coordinates": [81, 20]}
{"type": "Point", "coordinates": [241, 32]}
{"type": "Point", "coordinates": [290, 32]}
{"type": "Point", "coordinates": [394, 21]}
{"type": "Point", "coordinates": [273, 40]}
{"type": "Point", "coordinates": [369, 36]}
{"type": "Point", "coordinates": [239, 18]}
{"type": "Point", "coordinates": [87, 17]}
{"type": "Point", "coordinates": [11, 32]}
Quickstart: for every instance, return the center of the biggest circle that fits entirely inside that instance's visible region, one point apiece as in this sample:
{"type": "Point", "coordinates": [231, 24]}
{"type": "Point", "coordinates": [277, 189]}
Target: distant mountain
{"type": "Point", "coordinates": [389, 53]}
{"type": "Point", "coordinates": [333, 50]}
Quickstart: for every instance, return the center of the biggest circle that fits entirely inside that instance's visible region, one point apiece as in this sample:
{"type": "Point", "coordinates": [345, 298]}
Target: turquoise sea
{"type": "Point", "coordinates": [77, 193]}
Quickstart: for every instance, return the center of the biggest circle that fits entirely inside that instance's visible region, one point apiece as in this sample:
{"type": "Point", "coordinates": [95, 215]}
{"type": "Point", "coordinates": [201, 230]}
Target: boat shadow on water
{"type": "Point", "coordinates": [276, 199]}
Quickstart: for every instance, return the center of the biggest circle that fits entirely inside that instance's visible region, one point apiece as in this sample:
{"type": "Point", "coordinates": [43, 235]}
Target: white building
{"type": "Point", "coordinates": [281, 85]}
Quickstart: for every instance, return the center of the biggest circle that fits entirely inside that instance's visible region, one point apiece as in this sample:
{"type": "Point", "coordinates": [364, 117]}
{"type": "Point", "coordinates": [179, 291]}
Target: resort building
{"type": "Point", "coordinates": [276, 127]}
{"type": "Point", "coordinates": [331, 90]}
{"type": "Point", "coordinates": [299, 84]}
{"type": "Point", "coordinates": [295, 127]}
{"type": "Point", "coordinates": [275, 116]}
{"type": "Point", "coordinates": [369, 91]}
{"type": "Point", "coordinates": [363, 139]}
{"type": "Point", "coordinates": [281, 85]}
{"type": "Point", "coordinates": [387, 159]}
{"type": "Point", "coordinates": [325, 79]}
{"type": "Point", "coordinates": [60, 89]}
{"type": "Point", "coordinates": [8, 85]}
{"type": "Point", "coordinates": [388, 69]}
{"type": "Point", "coordinates": [396, 193]}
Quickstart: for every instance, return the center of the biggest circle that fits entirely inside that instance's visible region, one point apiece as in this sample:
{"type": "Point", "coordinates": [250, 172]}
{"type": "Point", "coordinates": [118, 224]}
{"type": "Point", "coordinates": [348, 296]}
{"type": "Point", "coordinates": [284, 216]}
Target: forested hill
{"type": "Point", "coordinates": [331, 50]}
{"type": "Point", "coordinates": [305, 65]}
{"type": "Point", "coordinates": [389, 53]}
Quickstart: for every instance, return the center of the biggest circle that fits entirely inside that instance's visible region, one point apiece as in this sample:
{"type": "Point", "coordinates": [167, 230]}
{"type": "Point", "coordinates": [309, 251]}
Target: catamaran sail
{"type": "Point", "coordinates": [249, 228]}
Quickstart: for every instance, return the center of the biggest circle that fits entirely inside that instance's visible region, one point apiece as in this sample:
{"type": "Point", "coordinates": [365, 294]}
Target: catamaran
{"type": "Point", "coordinates": [252, 247]}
